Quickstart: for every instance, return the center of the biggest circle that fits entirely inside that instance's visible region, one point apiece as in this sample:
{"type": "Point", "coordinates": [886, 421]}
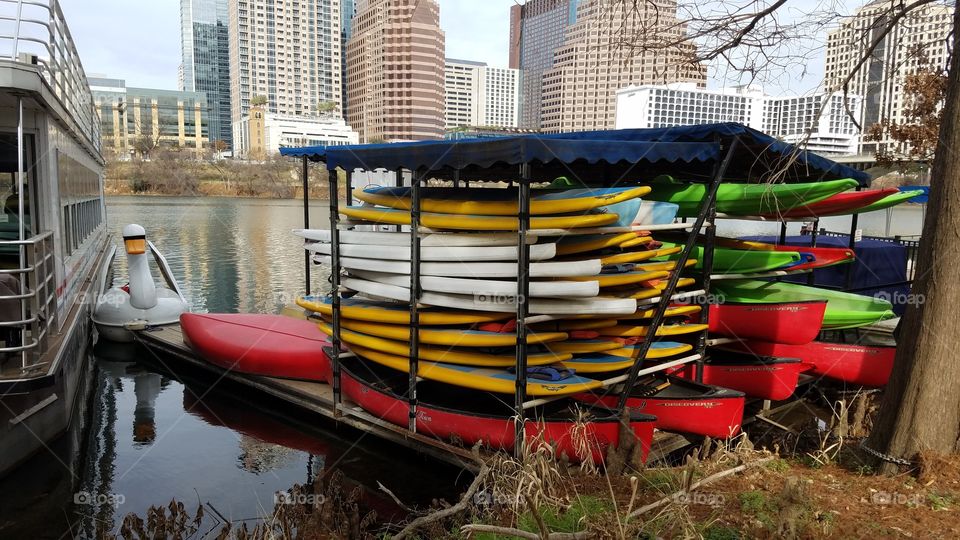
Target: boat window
{"type": "Point", "coordinates": [10, 212]}
{"type": "Point", "coordinates": [80, 201]}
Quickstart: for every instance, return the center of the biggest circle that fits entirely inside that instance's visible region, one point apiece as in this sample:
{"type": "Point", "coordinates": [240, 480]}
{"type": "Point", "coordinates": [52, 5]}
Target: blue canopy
{"type": "Point", "coordinates": [622, 155]}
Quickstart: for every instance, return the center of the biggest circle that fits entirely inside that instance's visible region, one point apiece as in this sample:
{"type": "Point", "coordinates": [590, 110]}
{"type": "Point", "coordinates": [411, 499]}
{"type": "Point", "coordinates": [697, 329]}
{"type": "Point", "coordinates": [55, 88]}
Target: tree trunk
{"type": "Point", "coordinates": [921, 405]}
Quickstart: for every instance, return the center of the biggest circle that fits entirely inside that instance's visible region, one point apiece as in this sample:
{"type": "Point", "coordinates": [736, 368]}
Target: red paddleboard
{"type": "Point", "coordinates": [841, 203]}
{"type": "Point", "coordinates": [269, 345]}
{"type": "Point", "coordinates": [866, 365]}
{"type": "Point", "coordinates": [785, 322]}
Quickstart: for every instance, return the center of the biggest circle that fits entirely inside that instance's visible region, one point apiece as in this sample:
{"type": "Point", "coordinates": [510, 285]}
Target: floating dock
{"type": "Point", "coordinates": [317, 398]}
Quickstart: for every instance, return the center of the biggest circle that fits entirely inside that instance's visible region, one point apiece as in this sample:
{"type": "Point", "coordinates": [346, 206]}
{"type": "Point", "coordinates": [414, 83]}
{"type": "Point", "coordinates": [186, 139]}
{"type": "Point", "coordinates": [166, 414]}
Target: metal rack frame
{"type": "Point", "coordinates": [706, 218]}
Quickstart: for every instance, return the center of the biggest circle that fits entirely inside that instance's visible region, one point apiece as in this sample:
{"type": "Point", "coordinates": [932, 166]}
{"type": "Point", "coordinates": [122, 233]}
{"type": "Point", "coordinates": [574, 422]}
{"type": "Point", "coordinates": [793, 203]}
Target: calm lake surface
{"type": "Point", "coordinates": [151, 433]}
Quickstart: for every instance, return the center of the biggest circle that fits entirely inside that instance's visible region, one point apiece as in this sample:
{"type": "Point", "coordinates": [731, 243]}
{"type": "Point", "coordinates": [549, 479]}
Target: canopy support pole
{"type": "Point", "coordinates": [854, 223]}
{"type": "Point", "coordinates": [414, 297]}
{"type": "Point", "coordinates": [349, 193]}
{"type": "Point", "coordinates": [812, 279]}
{"type": "Point", "coordinates": [523, 306]}
{"type": "Point", "coordinates": [335, 286]}
{"type": "Point", "coordinates": [705, 207]}
{"type": "Point", "coordinates": [305, 178]}
{"type": "Point", "coordinates": [709, 245]}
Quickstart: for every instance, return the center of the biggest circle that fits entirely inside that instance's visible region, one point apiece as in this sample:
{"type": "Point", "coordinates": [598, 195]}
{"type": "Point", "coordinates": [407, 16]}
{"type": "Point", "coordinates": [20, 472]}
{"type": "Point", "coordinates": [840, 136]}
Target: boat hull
{"type": "Point", "coordinates": [765, 378]}
{"type": "Point", "coordinates": [268, 345]}
{"type": "Point", "coordinates": [704, 410]}
{"type": "Point", "coordinates": [795, 323]}
{"type": "Point", "coordinates": [864, 365]}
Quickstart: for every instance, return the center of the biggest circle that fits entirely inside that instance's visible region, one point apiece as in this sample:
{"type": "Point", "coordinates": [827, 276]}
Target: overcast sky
{"type": "Point", "coordinates": [140, 41]}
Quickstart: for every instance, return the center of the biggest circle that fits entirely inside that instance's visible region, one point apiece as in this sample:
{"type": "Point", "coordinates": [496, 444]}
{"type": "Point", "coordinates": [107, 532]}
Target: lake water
{"type": "Point", "coordinates": [152, 432]}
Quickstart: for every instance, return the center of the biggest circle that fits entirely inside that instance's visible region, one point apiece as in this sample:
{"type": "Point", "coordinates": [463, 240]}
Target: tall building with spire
{"type": "Point", "coordinates": [289, 52]}
{"type": "Point", "coordinates": [922, 39]}
{"type": "Point", "coordinates": [395, 71]}
{"type": "Point", "coordinates": [206, 60]}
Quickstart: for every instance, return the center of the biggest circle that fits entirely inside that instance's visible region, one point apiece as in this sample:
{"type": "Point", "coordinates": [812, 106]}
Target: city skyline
{"type": "Point", "coordinates": [152, 59]}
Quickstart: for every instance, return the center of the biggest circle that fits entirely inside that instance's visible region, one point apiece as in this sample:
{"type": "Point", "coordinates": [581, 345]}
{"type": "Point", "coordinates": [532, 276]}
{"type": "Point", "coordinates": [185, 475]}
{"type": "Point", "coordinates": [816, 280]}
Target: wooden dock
{"type": "Point", "coordinates": [318, 398]}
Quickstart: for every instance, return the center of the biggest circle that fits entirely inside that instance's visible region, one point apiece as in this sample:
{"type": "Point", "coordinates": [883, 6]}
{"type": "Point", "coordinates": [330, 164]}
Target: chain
{"type": "Point", "coordinates": [885, 457]}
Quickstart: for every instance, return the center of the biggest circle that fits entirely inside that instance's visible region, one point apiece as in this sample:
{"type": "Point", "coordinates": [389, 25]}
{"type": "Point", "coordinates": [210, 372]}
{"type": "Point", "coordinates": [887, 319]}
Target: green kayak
{"type": "Point", "coordinates": [844, 310]}
{"type": "Point", "coordinates": [746, 199]}
{"type": "Point", "coordinates": [739, 261]}
{"type": "Point", "coordinates": [888, 201]}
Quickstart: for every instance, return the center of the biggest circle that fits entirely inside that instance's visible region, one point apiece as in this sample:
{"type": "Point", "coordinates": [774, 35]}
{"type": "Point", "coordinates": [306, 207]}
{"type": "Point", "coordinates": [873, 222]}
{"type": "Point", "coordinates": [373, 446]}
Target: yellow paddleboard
{"type": "Point", "coordinates": [476, 223]}
{"type": "Point", "coordinates": [593, 243]}
{"type": "Point", "coordinates": [393, 313]}
{"type": "Point", "coordinates": [663, 266]}
{"type": "Point", "coordinates": [637, 256]}
{"type": "Point", "coordinates": [499, 381]}
{"type": "Point", "coordinates": [656, 290]}
{"type": "Point", "coordinates": [541, 203]}
{"type": "Point", "coordinates": [625, 330]}
{"type": "Point", "coordinates": [577, 324]}
{"type": "Point", "coordinates": [582, 346]}
{"type": "Point", "coordinates": [454, 337]}
{"type": "Point", "coordinates": [625, 278]}
{"type": "Point", "coordinates": [441, 354]}
{"type": "Point", "coordinates": [603, 362]}
{"type": "Point", "coordinates": [676, 311]}
{"type": "Point", "coordinates": [654, 353]}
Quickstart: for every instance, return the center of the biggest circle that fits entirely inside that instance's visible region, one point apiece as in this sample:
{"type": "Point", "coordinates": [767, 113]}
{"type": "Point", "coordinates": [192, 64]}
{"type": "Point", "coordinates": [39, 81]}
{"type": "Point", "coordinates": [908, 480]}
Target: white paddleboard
{"type": "Point", "coordinates": [485, 287]}
{"type": "Point", "coordinates": [389, 238]}
{"type": "Point", "coordinates": [471, 269]}
{"type": "Point", "coordinates": [538, 306]}
{"type": "Point", "coordinates": [436, 253]}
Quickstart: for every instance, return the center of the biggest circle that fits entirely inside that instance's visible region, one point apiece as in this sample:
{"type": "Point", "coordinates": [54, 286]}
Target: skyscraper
{"type": "Point", "coordinates": [579, 90]}
{"type": "Point", "coordinates": [480, 95]}
{"type": "Point", "coordinates": [921, 39]}
{"type": "Point", "coordinates": [537, 28]}
{"type": "Point", "coordinates": [287, 52]}
{"type": "Point", "coordinates": [206, 60]}
{"type": "Point", "coordinates": [395, 71]}
{"type": "Point", "coordinates": [348, 8]}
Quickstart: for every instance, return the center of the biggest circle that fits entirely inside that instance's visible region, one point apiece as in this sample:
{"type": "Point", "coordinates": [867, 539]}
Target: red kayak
{"type": "Point", "coordinates": [795, 323]}
{"type": "Point", "coordinates": [683, 405]}
{"type": "Point", "coordinates": [269, 345]}
{"type": "Point", "coordinates": [865, 365]}
{"type": "Point", "coordinates": [841, 203]}
{"type": "Point", "coordinates": [469, 417]}
{"type": "Point", "coordinates": [764, 377]}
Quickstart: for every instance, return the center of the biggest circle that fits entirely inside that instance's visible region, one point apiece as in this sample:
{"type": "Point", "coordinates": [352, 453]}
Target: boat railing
{"type": "Point", "coordinates": [35, 299]}
{"type": "Point", "coordinates": [34, 32]}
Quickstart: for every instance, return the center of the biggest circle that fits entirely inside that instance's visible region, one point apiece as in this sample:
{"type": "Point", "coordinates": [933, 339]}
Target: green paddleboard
{"type": "Point", "coordinates": [746, 199]}
{"type": "Point", "coordinates": [844, 310]}
{"type": "Point", "coordinates": [740, 261]}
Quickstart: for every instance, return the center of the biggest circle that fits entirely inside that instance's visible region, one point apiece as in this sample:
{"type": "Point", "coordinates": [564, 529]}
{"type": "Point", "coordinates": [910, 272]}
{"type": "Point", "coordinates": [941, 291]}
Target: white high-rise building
{"type": "Point", "coordinates": [288, 52]}
{"type": "Point", "coordinates": [479, 95]}
{"type": "Point", "coordinates": [796, 120]}
{"type": "Point", "coordinates": [921, 39]}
